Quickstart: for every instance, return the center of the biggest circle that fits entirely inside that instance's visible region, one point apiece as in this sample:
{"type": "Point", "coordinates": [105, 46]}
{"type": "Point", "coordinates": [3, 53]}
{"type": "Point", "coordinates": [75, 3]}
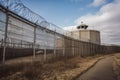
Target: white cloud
{"type": "Point", "coordinates": [107, 21]}
{"type": "Point", "coordinates": [98, 2]}
{"type": "Point", "coordinates": [70, 28]}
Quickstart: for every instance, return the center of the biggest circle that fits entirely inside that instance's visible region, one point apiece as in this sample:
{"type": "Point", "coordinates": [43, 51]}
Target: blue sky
{"type": "Point", "coordinates": [101, 15]}
{"type": "Point", "coordinates": [62, 12]}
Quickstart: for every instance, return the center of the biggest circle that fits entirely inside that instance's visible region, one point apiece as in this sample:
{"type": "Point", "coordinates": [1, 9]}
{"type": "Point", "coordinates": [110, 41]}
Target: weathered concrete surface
{"type": "Point", "coordinates": [103, 70]}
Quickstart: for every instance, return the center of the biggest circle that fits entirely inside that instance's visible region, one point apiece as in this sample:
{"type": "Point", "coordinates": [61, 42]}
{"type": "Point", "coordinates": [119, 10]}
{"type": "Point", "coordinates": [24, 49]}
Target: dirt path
{"type": "Point", "coordinates": [103, 70]}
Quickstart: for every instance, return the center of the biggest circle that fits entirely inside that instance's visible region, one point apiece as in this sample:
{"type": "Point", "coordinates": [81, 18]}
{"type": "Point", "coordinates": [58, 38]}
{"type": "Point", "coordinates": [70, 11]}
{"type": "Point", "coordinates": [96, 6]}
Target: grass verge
{"type": "Point", "coordinates": [59, 70]}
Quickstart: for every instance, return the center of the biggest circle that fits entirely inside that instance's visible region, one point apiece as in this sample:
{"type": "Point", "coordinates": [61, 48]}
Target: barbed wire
{"type": "Point", "coordinates": [20, 9]}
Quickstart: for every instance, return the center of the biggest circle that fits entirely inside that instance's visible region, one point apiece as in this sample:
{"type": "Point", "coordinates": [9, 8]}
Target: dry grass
{"type": "Point", "coordinates": [59, 70]}
{"type": "Point", "coordinates": [116, 66]}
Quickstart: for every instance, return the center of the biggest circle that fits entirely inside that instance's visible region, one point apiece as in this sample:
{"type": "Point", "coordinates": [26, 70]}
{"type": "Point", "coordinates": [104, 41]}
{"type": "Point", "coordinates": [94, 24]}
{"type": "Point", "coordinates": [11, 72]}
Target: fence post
{"type": "Point", "coordinates": [54, 43]}
{"type": "Point", "coordinates": [45, 55]}
{"type": "Point", "coordinates": [34, 44]}
{"type": "Point", "coordinates": [63, 46]}
{"type": "Point", "coordinates": [5, 37]}
{"type": "Point", "coordinates": [73, 47]}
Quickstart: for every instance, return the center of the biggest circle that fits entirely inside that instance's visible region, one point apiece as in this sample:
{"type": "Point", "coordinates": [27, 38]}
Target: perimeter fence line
{"type": "Point", "coordinates": [25, 33]}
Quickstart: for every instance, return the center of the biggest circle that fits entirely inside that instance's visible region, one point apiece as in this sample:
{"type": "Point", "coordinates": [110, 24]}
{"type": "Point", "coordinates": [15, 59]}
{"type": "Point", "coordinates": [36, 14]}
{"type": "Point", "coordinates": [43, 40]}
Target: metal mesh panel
{"type": "Point", "coordinates": [20, 30]}
{"type": "Point", "coordinates": [2, 27]}
{"type": "Point", "coordinates": [44, 39]}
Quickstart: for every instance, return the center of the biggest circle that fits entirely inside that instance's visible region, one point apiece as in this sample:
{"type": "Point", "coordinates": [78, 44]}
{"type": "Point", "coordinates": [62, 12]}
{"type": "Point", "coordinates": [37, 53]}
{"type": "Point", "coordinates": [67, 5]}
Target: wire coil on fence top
{"type": "Point", "coordinates": [20, 9]}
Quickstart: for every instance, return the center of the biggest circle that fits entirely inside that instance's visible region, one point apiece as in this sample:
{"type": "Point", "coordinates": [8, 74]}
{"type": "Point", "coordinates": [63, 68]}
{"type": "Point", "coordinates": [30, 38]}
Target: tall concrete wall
{"type": "Point", "coordinates": [81, 48]}
{"type": "Point", "coordinates": [92, 36]}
